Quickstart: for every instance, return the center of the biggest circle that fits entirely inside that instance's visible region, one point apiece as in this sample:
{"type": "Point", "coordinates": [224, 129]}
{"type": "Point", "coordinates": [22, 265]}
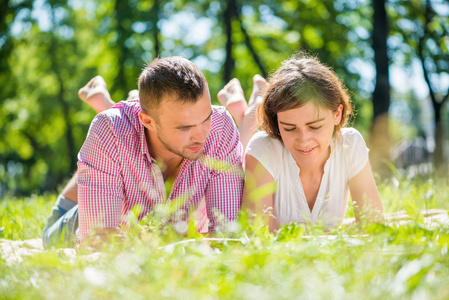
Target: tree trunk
{"type": "Point", "coordinates": [155, 19]}
{"type": "Point", "coordinates": [229, 62]}
{"type": "Point", "coordinates": [439, 159]}
{"type": "Point", "coordinates": [69, 133]}
{"type": "Point", "coordinates": [439, 162]}
{"type": "Point", "coordinates": [380, 140]}
{"type": "Point", "coordinates": [120, 82]}
{"type": "Point", "coordinates": [438, 154]}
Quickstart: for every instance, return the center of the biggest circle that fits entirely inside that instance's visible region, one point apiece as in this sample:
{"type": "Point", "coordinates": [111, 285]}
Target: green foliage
{"type": "Point", "coordinates": [43, 64]}
{"type": "Point", "coordinates": [50, 48]}
{"type": "Point", "coordinates": [415, 193]}
{"type": "Point", "coordinates": [24, 218]}
{"type": "Point", "coordinates": [374, 261]}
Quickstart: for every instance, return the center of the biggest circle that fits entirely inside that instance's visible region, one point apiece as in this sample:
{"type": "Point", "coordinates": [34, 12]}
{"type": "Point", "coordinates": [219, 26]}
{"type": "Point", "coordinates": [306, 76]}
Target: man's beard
{"type": "Point", "coordinates": [193, 156]}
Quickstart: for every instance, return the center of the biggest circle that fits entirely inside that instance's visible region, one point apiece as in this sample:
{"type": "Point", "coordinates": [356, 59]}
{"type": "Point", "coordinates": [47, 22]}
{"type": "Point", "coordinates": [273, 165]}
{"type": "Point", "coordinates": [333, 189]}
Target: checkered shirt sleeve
{"type": "Point", "coordinates": [225, 188]}
{"type": "Point", "coordinates": [100, 183]}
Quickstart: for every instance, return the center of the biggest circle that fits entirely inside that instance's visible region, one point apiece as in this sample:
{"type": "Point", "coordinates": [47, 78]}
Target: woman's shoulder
{"type": "Point", "coordinates": [355, 151]}
{"type": "Point", "coordinates": [350, 133]}
{"type": "Point", "coordinates": [262, 142]}
{"type": "Point", "coordinates": [351, 137]}
{"type": "Point", "coordinates": [267, 150]}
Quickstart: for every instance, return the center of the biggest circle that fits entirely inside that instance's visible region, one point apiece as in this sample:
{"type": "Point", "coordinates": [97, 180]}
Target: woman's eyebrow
{"type": "Point", "coordinates": [309, 123]}
{"type": "Point", "coordinates": [288, 124]}
{"type": "Point", "coordinates": [316, 121]}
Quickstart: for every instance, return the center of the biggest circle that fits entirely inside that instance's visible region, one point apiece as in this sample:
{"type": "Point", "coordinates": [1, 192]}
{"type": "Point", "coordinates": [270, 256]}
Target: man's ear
{"type": "Point", "coordinates": [147, 121]}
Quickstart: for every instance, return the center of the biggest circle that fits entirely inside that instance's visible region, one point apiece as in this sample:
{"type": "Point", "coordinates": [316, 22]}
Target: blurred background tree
{"type": "Point", "coordinates": [379, 141]}
{"type": "Point", "coordinates": [50, 48]}
{"type": "Point", "coordinates": [421, 34]}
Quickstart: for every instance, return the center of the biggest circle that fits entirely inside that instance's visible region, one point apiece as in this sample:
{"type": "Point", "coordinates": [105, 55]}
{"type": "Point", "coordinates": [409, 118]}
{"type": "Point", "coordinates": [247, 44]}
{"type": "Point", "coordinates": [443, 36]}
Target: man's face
{"type": "Point", "coordinates": [184, 127]}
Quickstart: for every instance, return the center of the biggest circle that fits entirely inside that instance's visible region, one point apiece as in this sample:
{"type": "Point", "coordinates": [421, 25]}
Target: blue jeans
{"type": "Point", "coordinates": [60, 230]}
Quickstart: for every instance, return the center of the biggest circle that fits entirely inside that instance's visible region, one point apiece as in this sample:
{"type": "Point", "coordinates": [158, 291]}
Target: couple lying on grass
{"type": "Point", "coordinates": [169, 145]}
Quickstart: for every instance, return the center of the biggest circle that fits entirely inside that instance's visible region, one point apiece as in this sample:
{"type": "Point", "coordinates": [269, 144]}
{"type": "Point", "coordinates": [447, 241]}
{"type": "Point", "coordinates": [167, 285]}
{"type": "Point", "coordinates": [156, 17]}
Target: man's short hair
{"type": "Point", "coordinates": [176, 77]}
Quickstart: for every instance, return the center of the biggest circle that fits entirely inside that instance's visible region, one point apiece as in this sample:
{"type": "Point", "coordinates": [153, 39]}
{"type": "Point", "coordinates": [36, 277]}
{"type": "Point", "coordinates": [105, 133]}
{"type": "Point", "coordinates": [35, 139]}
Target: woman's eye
{"type": "Point", "coordinates": [289, 129]}
{"type": "Point", "coordinates": [184, 129]}
{"type": "Point", "coordinates": [316, 128]}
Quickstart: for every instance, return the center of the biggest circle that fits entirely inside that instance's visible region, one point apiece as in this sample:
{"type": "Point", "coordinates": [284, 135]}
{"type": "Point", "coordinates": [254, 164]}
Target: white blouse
{"type": "Point", "coordinates": [348, 157]}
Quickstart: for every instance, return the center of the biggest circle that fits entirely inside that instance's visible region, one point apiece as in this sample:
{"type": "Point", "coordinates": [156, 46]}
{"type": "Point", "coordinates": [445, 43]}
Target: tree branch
{"type": "Point", "coordinates": [445, 33]}
{"type": "Point", "coordinates": [422, 57]}
{"type": "Point", "coordinates": [249, 45]}
{"type": "Point", "coordinates": [445, 97]}
{"type": "Point", "coordinates": [426, 74]}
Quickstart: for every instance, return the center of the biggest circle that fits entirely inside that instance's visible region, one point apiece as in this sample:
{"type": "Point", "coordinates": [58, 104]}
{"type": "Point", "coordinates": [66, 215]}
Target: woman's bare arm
{"type": "Point", "coordinates": [365, 196]}
{"type": "Point", "coordinates": [258, 194]}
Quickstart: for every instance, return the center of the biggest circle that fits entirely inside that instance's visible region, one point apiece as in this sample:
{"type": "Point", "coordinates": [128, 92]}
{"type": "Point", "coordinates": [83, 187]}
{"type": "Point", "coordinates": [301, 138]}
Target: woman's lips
{"type": "Point", "coordinates": [307, 151]}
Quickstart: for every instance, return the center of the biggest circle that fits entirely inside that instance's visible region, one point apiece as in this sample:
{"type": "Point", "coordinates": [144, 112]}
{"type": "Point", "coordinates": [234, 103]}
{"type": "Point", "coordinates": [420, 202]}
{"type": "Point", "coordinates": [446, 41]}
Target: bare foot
{"type": "Point", "coordinates": [249, 125]}
{"type": "Point", "coordinates": [233, 98]}
{"type": "Point", "coordinates": [95, 93]}
{"type": "Point", "coordinates": [133, 95]}
{"type": "Point", "coordinates": [258, 89]}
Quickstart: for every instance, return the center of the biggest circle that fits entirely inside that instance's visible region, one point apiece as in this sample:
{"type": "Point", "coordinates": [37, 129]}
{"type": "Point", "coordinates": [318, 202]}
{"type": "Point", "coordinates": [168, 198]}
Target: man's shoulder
{"type": "Point", "coordinates": [219, 112]}
{"type": "Point", "coordinates": [223, 132]}
{"type": "Point", "coordinates": [221, 122]}
{"type": "Point", "coordinates": [221, 119]}
{"type": "Point", "coordinates": [124, 115]}
{"type": "Point", "coordinates": [127, 109]}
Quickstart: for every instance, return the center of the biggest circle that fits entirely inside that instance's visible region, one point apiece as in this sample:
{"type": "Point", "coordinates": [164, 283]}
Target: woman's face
{"type": "Point", "coordinates": [307, 133]}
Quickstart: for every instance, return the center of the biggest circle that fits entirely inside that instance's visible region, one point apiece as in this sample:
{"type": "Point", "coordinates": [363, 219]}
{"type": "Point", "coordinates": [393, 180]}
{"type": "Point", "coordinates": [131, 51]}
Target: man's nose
{"type": "Point", "coordinates": [200, 134]}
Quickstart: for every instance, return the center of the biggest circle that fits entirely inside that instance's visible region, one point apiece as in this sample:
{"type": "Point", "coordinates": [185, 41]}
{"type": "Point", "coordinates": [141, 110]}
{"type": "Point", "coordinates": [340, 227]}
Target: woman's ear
{"type": "Point", "coordinates": [338, 114]}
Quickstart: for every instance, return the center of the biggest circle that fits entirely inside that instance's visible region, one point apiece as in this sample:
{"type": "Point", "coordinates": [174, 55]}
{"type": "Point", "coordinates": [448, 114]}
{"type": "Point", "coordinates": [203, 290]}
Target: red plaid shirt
{"type": "Point", "coordinates": [116, 173]}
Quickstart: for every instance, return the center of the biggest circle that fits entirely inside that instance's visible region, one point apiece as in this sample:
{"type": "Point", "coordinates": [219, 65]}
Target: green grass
{"type": "Point", "coordinates": [375, 261]}
{"type": "Point", "coordinates": [24, 218]}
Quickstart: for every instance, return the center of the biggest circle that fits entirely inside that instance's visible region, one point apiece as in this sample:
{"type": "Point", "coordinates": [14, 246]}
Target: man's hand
{"type": "Point", "coordinates": [100, 237]}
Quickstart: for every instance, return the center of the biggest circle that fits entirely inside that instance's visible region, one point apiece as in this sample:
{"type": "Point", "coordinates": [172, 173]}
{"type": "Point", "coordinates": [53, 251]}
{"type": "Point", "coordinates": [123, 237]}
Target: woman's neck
{"type": "Point", "coordinates": [316, 170]}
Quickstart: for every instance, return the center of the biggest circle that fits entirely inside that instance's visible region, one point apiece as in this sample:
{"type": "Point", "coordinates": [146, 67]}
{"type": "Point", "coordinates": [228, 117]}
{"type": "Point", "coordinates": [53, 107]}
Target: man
{"type": "Point", "coordinates": [171, 146]}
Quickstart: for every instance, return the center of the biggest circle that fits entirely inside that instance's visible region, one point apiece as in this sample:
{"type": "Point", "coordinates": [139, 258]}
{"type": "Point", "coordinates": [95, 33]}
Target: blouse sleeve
{"type": "Point", "coordinates": [267, 151]}
{"type": "Point", "coordinates": [357, 151]}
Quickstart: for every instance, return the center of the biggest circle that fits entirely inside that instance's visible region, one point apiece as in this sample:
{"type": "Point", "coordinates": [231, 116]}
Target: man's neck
{"type": "Point", "coordinates": [167, 160]}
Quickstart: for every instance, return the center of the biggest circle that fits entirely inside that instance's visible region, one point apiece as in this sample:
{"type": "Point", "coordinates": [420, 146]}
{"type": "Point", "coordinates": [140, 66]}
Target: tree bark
{"type": "Point", "coordinates": [380, 141]}
{"type": "Point", "coordinates": [155, 19]}
{"type": "Point", "coordinates": [229, 65]}
{"type": "Point", "coordinates": [120, 82]}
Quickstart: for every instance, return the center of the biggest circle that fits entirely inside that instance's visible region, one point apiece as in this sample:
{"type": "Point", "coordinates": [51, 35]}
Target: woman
{"type": "Point", "coordinates": [304, 164]}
